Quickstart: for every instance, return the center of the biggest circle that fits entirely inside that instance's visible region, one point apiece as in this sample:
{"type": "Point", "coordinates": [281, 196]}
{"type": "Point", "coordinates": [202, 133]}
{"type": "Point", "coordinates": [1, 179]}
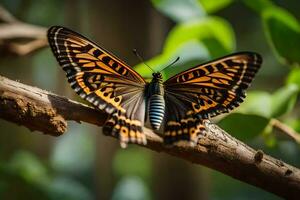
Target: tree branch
{"type": "Point", "coordinates": [18, 37]}
{"type": "Point", "coordinates": [286, 130]}
{"type": "Point", "coordinates": [5, 16]}
{"type": "Point", "coordinates": [46, 112]}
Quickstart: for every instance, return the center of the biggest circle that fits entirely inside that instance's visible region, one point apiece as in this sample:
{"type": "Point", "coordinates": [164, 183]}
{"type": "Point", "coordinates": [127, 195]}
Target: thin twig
{"type": "Point", "coordinates": [286, 129]}
{"type": "Point", "coordinates": [5, 16]}
{"type": "Point", "coordinates": [18, 37]}
{"type": "Point", "coordinates": [24, 49]}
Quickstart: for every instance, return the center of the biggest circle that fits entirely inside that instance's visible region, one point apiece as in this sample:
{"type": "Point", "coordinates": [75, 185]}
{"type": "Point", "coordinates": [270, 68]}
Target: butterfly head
{"type": "Point", "coordinates": [157, 76]}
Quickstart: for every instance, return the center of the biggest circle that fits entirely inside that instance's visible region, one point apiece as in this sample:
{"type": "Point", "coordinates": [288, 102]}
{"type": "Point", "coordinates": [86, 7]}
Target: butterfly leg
{"type": "Point", "coordinates": [189, 129]}
{"type": "Point", "coordinates": [127, 130]}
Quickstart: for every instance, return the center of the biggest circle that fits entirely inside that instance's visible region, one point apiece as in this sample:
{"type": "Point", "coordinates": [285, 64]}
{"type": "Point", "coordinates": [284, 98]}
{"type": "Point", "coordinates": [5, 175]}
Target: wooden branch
{"type": "Point", "coordinates": [46, 112]}
{"type": "Point", "coordinates": [24, 49]}
{"type": "Point", "coordinates": [18, 37]}
{"type": "Point", "coordinates": [41, 110]}
{"type": "Point", "coordinates": [285, 130]}
{"type": "Point", "coordinates": [5, 16]}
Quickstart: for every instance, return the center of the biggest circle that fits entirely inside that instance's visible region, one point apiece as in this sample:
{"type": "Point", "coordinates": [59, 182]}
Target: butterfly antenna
{"type": "Point", "coordinates": [141, 59]}
{"type": "Point", "coordinates": [175, 61]}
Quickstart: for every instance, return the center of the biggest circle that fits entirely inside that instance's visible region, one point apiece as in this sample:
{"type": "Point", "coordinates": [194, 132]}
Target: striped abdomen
{"type": "Point", "coordinates": [156, 110]}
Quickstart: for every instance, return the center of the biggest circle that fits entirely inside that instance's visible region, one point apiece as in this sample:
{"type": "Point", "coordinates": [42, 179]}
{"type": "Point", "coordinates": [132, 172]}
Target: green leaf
{"type": "Point", "coordinates": [283, 33]}
{"type": "Point", "coordinates": [214, 6]}
{"type": "Point", "coordinates": [258, 5]}
{"type": "Point", "coordinates": [27, 166]}
{"type": "Point", "coordinates": [190, 53]}
{"type": "Point", "coordinates": [179, 10]}
{"type": "Point", "coordinates": [294, 77]}
{"type": "Point", "coordinates": [284, 99]}
{"type": "Point", "coordinates": [258, 103]}
{"type": "Point", "coordinates": [244, 126]}
{"type": "Point", "coordinates": [194, 42]}
{"type": "Point", "coordinates": [156, 63]}
{"type": "Point", "coordinates": [270, 105]}
{"type": "Point", "coordinates": [211, 31]}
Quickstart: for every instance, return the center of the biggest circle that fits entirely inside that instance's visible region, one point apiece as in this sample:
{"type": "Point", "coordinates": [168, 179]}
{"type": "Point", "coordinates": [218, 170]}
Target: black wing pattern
{"type": "Point", "coordinates": [104, 80]}
{"type": "Point", "coordinates": [206, 91]}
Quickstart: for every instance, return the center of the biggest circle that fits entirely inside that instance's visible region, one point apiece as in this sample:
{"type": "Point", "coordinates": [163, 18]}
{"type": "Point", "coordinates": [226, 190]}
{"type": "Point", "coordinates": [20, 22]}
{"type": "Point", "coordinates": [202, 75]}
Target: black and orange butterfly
{"type": "Point", "coordinates": [180, 104]}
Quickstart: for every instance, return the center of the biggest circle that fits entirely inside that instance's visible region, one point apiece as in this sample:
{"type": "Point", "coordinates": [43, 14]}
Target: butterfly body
{"type": "Point", "coordinates": [179, 104]}
{"type": "Point", "coordinates": [156, 101]}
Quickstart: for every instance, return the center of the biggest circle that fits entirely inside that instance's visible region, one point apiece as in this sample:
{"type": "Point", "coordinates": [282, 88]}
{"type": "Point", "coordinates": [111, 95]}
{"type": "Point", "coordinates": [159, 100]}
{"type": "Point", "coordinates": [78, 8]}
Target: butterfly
{"type": "Point", "coordinates": [179, 104]}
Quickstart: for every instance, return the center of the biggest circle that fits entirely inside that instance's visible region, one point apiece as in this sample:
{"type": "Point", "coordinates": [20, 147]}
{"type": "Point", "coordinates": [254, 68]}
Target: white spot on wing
{"type": "Point", "coordinates": [242, 76]}
{"type": "Point", "coordinates": [55, 40]}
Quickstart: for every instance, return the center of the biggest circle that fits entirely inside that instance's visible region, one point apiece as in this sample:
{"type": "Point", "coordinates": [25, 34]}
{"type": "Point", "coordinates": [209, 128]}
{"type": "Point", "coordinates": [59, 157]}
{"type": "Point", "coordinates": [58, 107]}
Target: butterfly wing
{"type": "Point", "coordinates": [104, 80]}
{"type": "Point", "coordinates": [205, 91]}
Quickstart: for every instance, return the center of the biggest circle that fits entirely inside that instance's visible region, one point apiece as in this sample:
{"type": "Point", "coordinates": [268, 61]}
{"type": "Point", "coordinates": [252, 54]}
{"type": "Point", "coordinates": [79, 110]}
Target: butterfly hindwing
{"type": "Point", "coordinates": [188, 129]}
{"type": "Point", "coordinates": [208, 90]}
{"type": "Point", "coordinates": [125, 129]}
{"type": "Point", "coordinates": [102, 79]}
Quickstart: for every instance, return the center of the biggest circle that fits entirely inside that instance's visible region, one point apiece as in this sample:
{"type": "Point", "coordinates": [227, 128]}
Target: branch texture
{"type": "Point", "coordinates": [46, 112]}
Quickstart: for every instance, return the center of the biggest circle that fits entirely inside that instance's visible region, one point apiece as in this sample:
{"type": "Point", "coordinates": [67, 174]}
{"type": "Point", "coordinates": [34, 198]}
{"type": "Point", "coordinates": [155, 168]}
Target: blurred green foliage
{"type": "Point", "coordinates": [180, 10]}
{"type": "Point", "coordinates": [249, 130]}
{"type": "Point", "coordinates": [131, 188]}
{"type": "Point", "coordinates": [70, 149]}
{"type": "Point", "coordinates": [133, 163]}
{"type": "Point", "coordinates": [216, 37]}
{"type": "Point", "coordinates": [279, 24]}
{"type": "Point", "coordinates": [193, 41]}
{"type": "Point", "coordinates": [200, 33]}
{"type": "Point", "coordinates": [214, 6]}
{"type": "Point", "coordinates": [34, 181]}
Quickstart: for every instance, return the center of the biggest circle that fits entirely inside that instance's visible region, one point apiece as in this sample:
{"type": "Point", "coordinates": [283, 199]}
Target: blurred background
{"type": "Point", "coordinates": [84, 164]}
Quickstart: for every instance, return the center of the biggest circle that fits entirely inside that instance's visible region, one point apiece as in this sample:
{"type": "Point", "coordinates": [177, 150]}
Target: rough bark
{"type": "Point", "coordinates": [46, 112]}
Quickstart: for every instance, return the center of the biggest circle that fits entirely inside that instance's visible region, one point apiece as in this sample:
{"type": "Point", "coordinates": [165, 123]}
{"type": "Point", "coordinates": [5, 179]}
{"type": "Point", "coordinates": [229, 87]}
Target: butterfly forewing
{"type": "Point", "coordinates": [208, 90]}
{"type": "Point", "coordinates": [103, 80]}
